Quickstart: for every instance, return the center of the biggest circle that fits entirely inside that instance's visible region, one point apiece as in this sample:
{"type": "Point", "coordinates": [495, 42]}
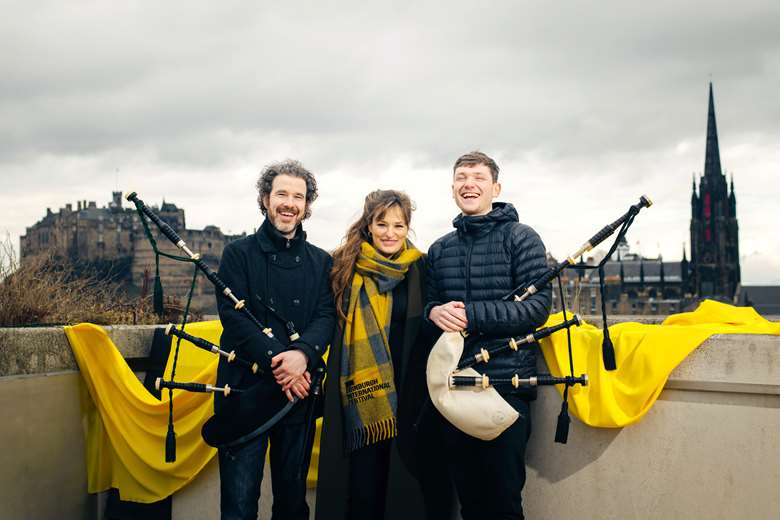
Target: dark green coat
{"type": "Point", "coordinates": [404, 499]}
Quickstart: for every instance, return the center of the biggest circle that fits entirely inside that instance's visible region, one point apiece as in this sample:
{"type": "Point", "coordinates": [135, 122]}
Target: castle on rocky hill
{"type": "Point", "coordinates": [112, 238]}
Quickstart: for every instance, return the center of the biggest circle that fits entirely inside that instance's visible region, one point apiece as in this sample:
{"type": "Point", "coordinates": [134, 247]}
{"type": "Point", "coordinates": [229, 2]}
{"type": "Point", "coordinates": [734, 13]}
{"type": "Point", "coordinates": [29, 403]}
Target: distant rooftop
{"type": "Point", "coordinates": [764, 298]}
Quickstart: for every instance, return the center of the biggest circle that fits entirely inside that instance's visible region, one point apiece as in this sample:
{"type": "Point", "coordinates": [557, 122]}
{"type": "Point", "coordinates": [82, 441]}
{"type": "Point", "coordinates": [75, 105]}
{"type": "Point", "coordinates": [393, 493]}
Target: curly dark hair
{"type": "Point", "coordinates": [293, 169]}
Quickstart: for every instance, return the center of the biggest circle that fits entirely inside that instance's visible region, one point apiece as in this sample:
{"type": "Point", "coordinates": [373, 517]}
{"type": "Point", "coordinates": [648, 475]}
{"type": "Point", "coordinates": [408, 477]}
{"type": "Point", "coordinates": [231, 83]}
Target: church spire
{"type": "Point", "coordinates": [712, 154]}
{"type": "Point", "coordinates": [714, 245]}
{"type": "Point", "coordinates": [732, 199]}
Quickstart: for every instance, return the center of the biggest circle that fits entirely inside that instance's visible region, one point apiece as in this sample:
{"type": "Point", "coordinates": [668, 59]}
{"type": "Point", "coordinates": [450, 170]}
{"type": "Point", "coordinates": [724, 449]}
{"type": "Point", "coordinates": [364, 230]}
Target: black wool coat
{"type": "Point", "coordinates": [485, 258]}
{"type": "Point", "coordinates": [290, 275]}
{"type": "Point", "coordinates": [404, 499]}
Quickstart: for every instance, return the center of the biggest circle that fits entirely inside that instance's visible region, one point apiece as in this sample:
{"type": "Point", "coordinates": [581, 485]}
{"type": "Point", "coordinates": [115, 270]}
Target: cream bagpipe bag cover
{"type": "Point", "coordinates": [479, 412]}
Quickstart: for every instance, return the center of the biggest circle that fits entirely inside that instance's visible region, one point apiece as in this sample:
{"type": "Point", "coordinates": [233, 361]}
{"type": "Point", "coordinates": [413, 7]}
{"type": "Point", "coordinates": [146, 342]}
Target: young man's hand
{"type": "Point", "coordinates": [450, 317]}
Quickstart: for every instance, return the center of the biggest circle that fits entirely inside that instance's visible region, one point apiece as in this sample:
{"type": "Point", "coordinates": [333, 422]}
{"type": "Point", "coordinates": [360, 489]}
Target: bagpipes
{"type": "Point", "coordinates": [160, 383]}
{"type": "Point", "coordinates": [484, 381]}
{"type": "Point", "coordinates": [469, 400]}
{"type": "Point", "coordinates": [231, 357]}
{"type": "Point", "coordinates": [514, 344]}
{"type": "Point", "coordinates": [250, 415]}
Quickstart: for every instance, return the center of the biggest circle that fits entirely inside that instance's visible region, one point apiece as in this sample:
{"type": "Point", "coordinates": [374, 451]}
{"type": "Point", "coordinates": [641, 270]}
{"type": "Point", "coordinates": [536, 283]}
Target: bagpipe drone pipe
{"type": "Point", "coordinates": [231, 357]}
{"type": "Point", "coordinates": [468, 399]}
{"type": "Point", "coordinates": [253, 410]}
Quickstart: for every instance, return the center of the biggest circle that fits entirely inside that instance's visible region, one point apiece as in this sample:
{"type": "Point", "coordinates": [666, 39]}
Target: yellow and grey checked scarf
{"type": "Point", "coordinates": [368, 394]}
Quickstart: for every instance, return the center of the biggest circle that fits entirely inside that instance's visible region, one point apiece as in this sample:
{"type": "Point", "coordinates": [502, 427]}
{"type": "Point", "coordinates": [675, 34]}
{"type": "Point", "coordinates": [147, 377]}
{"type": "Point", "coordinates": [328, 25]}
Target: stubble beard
{"type": "Point", "coordinates": [285, 228]}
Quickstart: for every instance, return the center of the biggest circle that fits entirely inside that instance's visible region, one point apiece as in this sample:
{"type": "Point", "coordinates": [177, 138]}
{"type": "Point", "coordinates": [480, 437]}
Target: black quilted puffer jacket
{"type": "Point", "coordinates": [479, 263]}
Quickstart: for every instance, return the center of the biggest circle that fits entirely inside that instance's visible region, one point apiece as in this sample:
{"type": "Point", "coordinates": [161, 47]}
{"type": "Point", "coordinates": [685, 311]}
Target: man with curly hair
{"type": "Point", "coordinates": [283, 278]}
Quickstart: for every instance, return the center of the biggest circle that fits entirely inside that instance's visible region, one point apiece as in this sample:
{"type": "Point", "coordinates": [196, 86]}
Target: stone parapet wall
{"type": "Point", "coordinates": [41, 350]}
{"type": "Point", "coordinates": [45, 350]}
{"type": "Point", "coordinates": [707, 449]}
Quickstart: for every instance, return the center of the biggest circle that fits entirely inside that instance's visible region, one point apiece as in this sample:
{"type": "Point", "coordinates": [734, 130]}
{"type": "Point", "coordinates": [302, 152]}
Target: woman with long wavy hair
{"type": "Point", "coordinates": [368, 449]}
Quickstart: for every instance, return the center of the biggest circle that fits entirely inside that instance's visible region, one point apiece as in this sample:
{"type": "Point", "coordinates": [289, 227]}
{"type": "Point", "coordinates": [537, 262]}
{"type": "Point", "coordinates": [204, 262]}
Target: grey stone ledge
{"type": "Point", "coordinates": [42, 350]}
{"type": "Point", "coordinates": [736, 363]}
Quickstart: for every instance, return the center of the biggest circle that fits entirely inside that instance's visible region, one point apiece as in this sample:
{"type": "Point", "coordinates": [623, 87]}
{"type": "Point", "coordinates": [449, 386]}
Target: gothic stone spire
{"type": "Point", "coordinates": [712, 154]}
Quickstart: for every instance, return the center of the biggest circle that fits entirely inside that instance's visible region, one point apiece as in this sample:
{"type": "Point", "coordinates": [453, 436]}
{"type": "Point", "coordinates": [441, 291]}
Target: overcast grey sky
{"type": "Point", "coordinates": [584, 105]}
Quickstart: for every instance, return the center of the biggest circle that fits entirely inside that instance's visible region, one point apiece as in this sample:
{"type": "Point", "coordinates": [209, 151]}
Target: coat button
{"type": "Point", "coordinates": [297, 259]}
{"type": "Point", "coordinates": [296, 301]}
{"type": "Point", "coordinates": [317, 348]}
{"type": "Point", "coordinates": [271, 300]}
{"type": "Point", "coordinates": [273, 257]}
{"type": "Point", "coordinates": [270, 353]}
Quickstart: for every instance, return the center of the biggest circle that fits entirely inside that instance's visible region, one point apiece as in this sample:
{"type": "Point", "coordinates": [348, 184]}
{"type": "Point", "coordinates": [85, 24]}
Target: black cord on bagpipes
{"type": "Point", "coordinates": [157, 295]}
{"type": "Point", "coordinates": [607, 348]}
{"type": "Point", "coordinates": [170, 436]}
{"type": "Point", "coordinates": [562, 428]}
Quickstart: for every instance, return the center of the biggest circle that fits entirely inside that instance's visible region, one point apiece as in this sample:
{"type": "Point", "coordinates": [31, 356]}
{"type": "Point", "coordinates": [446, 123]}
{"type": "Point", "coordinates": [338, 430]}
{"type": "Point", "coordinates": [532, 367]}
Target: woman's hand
{"type": "Point", "coordinates": [289, 368]}
{"type": "Point", "coordinates": [299, 387]}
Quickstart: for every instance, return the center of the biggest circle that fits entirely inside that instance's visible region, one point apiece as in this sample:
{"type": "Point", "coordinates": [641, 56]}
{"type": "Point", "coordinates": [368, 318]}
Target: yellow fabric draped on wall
{"type": "Point", "coordinates": [126, 425]}
{"type": "Point", "coordinates": [645, 355]}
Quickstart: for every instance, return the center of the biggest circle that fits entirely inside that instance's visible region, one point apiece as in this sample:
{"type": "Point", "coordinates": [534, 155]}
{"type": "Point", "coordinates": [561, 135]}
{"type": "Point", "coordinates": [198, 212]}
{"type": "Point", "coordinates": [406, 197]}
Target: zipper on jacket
{"type": "Point", "coordinates": [468, 268]}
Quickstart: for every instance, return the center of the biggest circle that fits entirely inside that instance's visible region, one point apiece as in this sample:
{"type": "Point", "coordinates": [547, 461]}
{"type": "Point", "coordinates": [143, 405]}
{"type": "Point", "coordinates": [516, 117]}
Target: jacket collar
{"type": "Point", "coordinates": [480, 224]}
{"type": "Point", "coordinates": [270, 240]}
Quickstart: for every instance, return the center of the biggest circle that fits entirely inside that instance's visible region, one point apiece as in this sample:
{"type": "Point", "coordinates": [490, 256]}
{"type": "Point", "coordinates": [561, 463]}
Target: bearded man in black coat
{"type": "Point", "coordinates": [283, 278]}
{"type": "Point", "coordinates": [468, 272]}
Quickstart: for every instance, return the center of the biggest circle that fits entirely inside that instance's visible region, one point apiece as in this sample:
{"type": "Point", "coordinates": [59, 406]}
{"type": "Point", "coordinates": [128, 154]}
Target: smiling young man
{"type": "Point", "coordinates": [469, 271]}
{"type": "Point", "coordinates": [276, 268]}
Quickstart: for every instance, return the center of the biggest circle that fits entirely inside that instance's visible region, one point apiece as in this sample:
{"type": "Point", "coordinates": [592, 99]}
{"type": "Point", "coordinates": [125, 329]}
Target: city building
{"type": "Point", "coordinates": [112, 239]}
{"type": "Point", "coordinates": [634, 284]}
{"type": "Point", "coordinates": [714, 228]}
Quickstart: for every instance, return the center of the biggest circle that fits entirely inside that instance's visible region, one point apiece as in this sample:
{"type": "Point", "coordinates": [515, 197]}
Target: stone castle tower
{"type": "Point", "coordinates": [112, 237]}
{"type": "Point", "coordinates": [714, 229]}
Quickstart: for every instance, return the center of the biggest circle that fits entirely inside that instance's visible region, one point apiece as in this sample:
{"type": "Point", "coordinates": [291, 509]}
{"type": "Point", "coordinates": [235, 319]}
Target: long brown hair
{"type": "Point", "coordinates": [345, 256]}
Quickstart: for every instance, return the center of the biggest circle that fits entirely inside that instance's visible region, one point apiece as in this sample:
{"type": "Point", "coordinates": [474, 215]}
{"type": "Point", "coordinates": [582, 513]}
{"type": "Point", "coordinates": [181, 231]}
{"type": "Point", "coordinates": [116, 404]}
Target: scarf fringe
{"type": "Point", "coordinates": [370, 434]}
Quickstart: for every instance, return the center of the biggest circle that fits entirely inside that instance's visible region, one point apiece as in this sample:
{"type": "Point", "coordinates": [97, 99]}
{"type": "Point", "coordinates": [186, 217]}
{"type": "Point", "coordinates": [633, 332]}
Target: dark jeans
{"type": "Point", "coordinates": [489, 475]}
{"type": "Point", "coordinates": [436, 483]}
{"type": "Point", "coordinates": [241, 472]}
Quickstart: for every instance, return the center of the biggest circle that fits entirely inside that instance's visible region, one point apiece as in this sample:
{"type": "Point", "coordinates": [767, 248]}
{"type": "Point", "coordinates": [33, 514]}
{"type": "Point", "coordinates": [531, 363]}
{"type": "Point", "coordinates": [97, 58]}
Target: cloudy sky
{"type": "Point", "coordinates": [585, 106]}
